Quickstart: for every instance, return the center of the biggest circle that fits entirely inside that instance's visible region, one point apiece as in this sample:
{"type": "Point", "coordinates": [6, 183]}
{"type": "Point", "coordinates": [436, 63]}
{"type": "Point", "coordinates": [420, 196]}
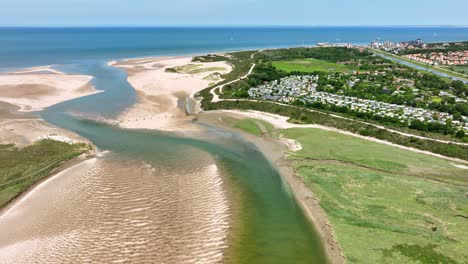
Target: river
{"type": "Point", "coordinates": [155, 196]}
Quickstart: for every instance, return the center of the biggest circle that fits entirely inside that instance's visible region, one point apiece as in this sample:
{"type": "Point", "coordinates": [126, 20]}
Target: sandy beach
{"type": "Point", "coordinates": [24, 129]}
{"type": "Point", "coordinates": [166, 88]}
{"type": "Point", "coordinates": [40, 87]}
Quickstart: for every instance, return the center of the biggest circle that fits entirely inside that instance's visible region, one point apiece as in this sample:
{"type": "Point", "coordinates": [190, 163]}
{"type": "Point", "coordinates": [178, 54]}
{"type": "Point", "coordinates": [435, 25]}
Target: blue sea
{"type": "Point", "coordinates": [267, 226]}
{"type": "Point", "coordinates": [25, 47]}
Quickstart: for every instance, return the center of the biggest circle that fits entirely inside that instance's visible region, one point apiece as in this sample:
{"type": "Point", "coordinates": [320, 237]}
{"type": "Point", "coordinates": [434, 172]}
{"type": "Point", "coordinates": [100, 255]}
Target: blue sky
{"type": "Point", "coordinates": [233, 12]}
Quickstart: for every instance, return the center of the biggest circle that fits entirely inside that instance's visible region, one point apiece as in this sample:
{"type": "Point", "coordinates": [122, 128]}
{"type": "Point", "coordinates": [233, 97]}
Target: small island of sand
{"type": "Point", "coordinates": [38, 88]}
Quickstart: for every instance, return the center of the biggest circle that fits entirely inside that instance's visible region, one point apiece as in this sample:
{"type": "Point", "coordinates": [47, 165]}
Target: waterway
{"type": "Point", "coordinates": [204, 196]}
{"type": "Point", "coordinates": [156, 197]}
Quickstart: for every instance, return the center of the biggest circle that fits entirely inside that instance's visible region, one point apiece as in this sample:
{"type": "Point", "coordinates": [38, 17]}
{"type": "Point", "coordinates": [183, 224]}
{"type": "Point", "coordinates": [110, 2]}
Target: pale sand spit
{"type": "Point", "coordinates": [23, 132]}
{"type": "Point", "coordinates": [38, 88]}
{"type": "Point", "coordinates": [165, 95]}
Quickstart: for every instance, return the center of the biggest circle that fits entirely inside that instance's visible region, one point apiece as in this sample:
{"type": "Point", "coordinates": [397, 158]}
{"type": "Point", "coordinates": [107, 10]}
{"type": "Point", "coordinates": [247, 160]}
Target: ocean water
{"type": "Point", "coordinates": [23, 47]}
{"type": "Point", "coordinates": [161, 197]}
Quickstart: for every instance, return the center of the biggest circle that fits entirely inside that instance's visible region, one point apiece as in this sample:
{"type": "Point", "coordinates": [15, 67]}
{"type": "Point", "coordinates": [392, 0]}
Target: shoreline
{"type": "Point", "coordinates": [36, 88]}
{"type": "Point", "coordinates": [62, 168]}
{"type": "Point", "coordinates": [165, 87]}
{"type": "Point", "coordinates": [24, 129]}
{"type": "Point", "coordinates": [304, 196]}
{"type": "Point", "coordinates": [275, 150]}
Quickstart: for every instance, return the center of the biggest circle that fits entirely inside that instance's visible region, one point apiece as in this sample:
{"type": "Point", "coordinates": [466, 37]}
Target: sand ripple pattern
{"type": "Point", "coordinates": [109, 211]}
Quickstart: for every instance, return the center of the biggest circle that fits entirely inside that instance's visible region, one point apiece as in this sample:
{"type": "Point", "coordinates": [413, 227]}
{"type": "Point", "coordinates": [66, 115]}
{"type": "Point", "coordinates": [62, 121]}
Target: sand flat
{"type": "Point", "coordinates": [163, 93]}
{"type": "Point", "coordinates": [35, 91]}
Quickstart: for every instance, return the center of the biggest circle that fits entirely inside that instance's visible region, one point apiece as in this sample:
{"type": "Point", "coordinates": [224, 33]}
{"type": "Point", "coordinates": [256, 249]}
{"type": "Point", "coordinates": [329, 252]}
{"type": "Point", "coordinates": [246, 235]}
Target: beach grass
{"type": "Point", "coordinates": [250, 125]}
{"type": "Point", "coordinates": [311, 65]}
{"type": "Point", "coordinates": [385, 204]}
{"type": "Point", "coordinates": [195, 69]}
{"type": "Point", "coordinates": [22, 167]}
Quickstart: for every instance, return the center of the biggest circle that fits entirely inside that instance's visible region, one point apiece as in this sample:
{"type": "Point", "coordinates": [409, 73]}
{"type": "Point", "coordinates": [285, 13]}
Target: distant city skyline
{"type": "Point", "coordinates": [233, 13]}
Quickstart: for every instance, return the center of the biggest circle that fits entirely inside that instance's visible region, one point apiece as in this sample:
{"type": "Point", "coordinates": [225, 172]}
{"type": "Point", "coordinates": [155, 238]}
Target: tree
{"type": "Point", "coordinates": [460, 134]}
{"type": "Point", "coordinates": [459, 87]}
{"type": "Point", "coordinates": [418, 125]}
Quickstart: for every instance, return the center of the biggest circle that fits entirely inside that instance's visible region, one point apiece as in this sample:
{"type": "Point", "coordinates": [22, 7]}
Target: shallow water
{"type": "Point", "coordinates": [156, 197]}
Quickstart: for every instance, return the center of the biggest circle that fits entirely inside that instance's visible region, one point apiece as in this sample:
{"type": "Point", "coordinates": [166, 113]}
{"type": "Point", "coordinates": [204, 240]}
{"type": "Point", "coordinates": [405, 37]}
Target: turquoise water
{"type": "Point", "coordinates": [270, 228]}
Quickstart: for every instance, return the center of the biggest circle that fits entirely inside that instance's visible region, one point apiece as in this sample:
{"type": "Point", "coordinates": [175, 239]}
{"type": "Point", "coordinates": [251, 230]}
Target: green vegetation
{"type": "Point", "coordinates": [21, 168]}
{"type": "Point", "coordinates": [298, 115]}
{"type": "Point", "coordinates": [386, 205]}
{"type": "Point", "coordinates": [250, 125]}
{"type": "Point", "coordinates": [463, 69]}
{"type": "Point", "coordinates": [376, 79]}
{"type": "Point", "coordinates": [194, 69]}
{"type": "Point", "coordinates": [443, 69]}
{"type": "Point", "coordinates": [265, 71]}
{"type": "Point", "coordinates": [311, 65]}
{"type": "Point", "coordinates": [241, 62]}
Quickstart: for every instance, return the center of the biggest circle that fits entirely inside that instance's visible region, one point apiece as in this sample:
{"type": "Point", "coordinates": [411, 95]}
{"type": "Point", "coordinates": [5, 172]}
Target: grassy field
{"type": "Point", "coordinates": [21, 168]}
{"type": "Point", "coordinates": [463, 69]}
{"type": "Point", "coordinates": [386, 205]}
{"type": "Point", "coordinates": [250, 125]}
{"type": "Point", "coordinates": [311, 65]}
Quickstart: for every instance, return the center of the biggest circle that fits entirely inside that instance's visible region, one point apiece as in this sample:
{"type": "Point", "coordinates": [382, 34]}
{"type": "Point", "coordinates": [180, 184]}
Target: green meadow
{"type": "Point", "coordinates": [22, 167]}
{"type": "Point", "coordinates": [386, 205]}
{"type": "Point", "coordinates": [250, 125]}
{"type": "Point", "coordinates": [311, 65]}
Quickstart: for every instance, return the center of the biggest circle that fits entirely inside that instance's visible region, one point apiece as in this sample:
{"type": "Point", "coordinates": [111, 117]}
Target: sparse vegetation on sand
{"type": "Point", "coordinates": [20, 168]}
{"type": "Point", "coordinates": [194, 69]}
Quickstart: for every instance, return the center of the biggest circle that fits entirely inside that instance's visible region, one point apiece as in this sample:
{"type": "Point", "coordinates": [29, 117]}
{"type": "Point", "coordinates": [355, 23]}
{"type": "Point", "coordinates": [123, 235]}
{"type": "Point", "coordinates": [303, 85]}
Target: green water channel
{"type": "Point", "coordinates": [269, 225]}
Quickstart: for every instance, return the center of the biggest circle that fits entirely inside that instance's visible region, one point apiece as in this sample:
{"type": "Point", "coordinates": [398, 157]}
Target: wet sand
{"type": "Point", "coordinates": [110, 210]}
{"type": "Point", "coordinates": [22, 129]}
{"type": "Point", "coordinates": [38, 88]}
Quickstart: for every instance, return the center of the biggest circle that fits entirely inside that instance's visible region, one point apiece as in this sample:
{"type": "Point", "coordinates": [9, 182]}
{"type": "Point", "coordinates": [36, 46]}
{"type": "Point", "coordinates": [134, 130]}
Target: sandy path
{"type": "Point", "coordinates": [281, 122]}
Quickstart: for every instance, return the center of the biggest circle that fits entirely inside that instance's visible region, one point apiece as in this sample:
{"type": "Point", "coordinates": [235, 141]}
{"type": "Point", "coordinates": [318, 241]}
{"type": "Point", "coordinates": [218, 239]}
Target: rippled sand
{"type": "Point", "coordinates": [119, 211]}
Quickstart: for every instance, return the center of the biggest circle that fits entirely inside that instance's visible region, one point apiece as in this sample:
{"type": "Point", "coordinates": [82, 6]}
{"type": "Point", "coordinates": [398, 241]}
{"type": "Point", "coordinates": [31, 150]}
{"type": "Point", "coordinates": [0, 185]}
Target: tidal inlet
{"type": "Point", "coordinates": [202, 141]}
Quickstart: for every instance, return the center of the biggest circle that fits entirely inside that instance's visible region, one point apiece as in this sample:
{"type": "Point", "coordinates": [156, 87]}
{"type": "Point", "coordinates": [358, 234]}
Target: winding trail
{"type": "Point", "coordinates": [216, 98]}
{"type": "Point", "coordinates": [220, 87]}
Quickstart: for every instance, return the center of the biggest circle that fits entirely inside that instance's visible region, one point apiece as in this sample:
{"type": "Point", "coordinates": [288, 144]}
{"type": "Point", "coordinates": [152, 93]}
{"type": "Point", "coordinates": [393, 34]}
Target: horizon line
{"type": "Point", "coordinates": [220, 26]}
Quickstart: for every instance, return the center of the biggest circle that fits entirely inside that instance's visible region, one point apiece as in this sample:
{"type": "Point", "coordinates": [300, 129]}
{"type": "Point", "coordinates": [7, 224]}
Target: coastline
{"type": "Point", "coordinates": [23, 129]}
{"type": "Point", "coordinates": [274, 149]}
{"type": "Point", "coordinates": [62, 168]}
{"type": "Point", "coordinates": [37, 88]}
{"type": "Point", "coordinates": [166, 87]}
